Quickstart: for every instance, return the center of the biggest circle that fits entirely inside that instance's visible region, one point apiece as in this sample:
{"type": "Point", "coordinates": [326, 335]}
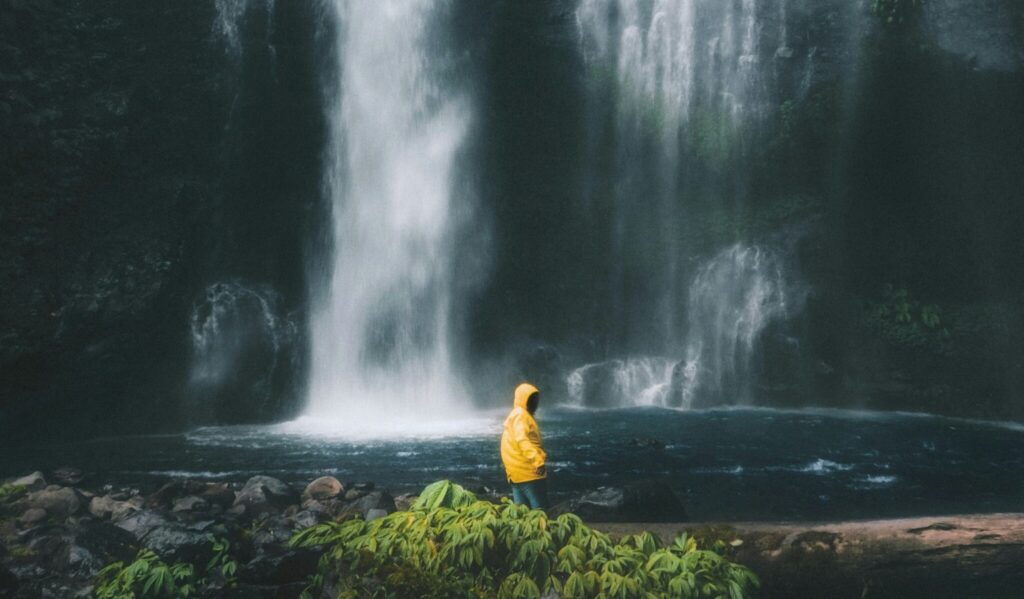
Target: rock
{"type": "Point", "coordinates": [107, 508]}
{"type": "Point", "coordinates": [140, 523]}
{"type": "Point", "coordinates": [376, 500]}
{"type": "Point", "coordinates": [404, 501]}
{"type": "Point", "coordinates": [66, 475]}
{"type": "Point", "coordinates": [81, 550]}
{"type": "Point", "coordinates": [307, 518]}
{"type": "Point", "coordinates": [274, 531]}
{"type": "Point", "coordinates": [375, 513]}
{"type": "Point", "coordinates": [219, 494]}
{"type": "Point", "coordinates": [642, 501]}
{"type": "Point", "coordinates": [165, 495]}
{"type": "Point", "coordinates": [353, 494]}
{"type": "Point", "coordinates": [32, 516]}
{"type": "Point", "coordinates": [59, 502]}
{"type": "Point", "coordinates": [263, 494]}
{"type": "Point", "coordinates": [366, 486]}
{"type": "Point", "coordinates": [176, 542]}
{"type": "Point", "coordinates": [280, 569]}
{"type": "Point", "coordinates": [190, 504]}
{"type": "Point", "coordinates": [31, 482]}
{"type": "Point", "coordinates": [325, 487]}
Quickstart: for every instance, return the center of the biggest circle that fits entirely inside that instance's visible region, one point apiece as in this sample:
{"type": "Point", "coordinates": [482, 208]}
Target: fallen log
{"type": "Point", "coordinates": [934, 557]}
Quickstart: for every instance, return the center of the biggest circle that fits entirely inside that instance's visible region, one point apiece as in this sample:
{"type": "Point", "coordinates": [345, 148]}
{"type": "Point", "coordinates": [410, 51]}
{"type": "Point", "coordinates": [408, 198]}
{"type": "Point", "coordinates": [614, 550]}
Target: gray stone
{"type": "Point", "coordinates": [177, 542]}
{"type": "Point", "coordinates": [190, 504]}
{"type": "Point", "coordinates": [59, 502]}
{"type": "Point", "coordinates": [263, 494]}
{"type": "Point", "coordinates": [375, 514]}
{"type": "Point", "coordinates": [32, 516]}
{"type": "Point", "coordinates": [31, 482]}
{"type": "Point", "coordinates": [376, 500]}
{"type": "Point", "coordinates": [140, 523]}
{"type": "Point", "coordinates": [325, 487]}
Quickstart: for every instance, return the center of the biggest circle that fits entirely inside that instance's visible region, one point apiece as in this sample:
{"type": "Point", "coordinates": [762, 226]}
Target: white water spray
{"type": "Point", "coordinates": [382, 347]}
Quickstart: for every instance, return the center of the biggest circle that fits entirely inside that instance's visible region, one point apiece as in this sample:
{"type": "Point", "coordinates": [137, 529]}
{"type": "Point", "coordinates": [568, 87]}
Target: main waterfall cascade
{"type": "Point", "coordinates": [381, 334]}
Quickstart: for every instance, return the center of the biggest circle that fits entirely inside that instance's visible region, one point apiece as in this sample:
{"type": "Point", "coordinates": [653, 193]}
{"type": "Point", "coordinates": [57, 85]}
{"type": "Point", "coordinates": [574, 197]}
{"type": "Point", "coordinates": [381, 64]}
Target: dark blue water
{"type": "Point", "coordinates": [727, 464]}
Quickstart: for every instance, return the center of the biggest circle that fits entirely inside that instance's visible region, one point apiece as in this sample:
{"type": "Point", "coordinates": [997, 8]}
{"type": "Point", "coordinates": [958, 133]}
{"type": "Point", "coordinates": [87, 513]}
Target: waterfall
{"type": "Point", "coordinates": [680, 79]}
{"type": "Point", "coordinates": [733, 299]}
{"type": "Point", "coordinates": [381, 332]}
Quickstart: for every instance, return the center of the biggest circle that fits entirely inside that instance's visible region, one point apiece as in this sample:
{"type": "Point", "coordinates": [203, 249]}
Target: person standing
{"type": "Point", "coordinates": [522, 452]}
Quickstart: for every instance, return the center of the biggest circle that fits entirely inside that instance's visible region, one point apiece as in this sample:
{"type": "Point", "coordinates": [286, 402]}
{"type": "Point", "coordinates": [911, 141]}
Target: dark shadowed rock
{"type": "Point", "coordinates": [262, 494]}
{"type": "Point", "coordinates": [177, 542]}
{"type": "Point", "coordinates": [307, 518]}
{"type": "Point", "coordinates": [165, 495]}
{"type": "Point", "coordinates": [272, 532]}
{"type": "Point", "coordinates": [32, 516]}
{"type": "Point", "coordinates": [642, 501]}
{"type": "Point", "coordinates": [66, 475]}
{"type": "Point", "coordinates": [375, 500]}
{"type": "Point", "coordinates": [82, 550]}
{"type": "Point", "coordinates": [219, 494]}
{"type": "Point", "coordinates": [325, 487]}
{"type": "Point", "coordinates": [281, 568]}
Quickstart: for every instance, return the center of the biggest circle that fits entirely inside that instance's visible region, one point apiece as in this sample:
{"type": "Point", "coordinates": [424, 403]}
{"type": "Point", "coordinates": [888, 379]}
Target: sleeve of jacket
{"type": "Point", "coordinates": [528, 446]}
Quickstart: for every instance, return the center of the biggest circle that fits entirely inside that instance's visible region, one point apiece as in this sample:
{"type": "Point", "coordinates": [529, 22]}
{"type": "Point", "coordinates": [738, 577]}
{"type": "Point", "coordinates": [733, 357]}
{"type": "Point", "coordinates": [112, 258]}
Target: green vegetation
{"type": "Point", "coordinates": [449, 544]}
{"type": "Point", "coordinates": [896, 12]}
{"type": "Point", "coordinates": [9, 493]}
{"type": "Point", "coordinates": [906, 322]}
{"type": "Point", "coordinates": [147, 576]}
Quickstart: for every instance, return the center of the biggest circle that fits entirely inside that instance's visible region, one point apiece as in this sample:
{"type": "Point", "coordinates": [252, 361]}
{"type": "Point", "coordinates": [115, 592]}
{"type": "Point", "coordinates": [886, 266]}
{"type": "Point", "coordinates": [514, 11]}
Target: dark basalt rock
{"type": "Point", "coordinates": [265, 494]}
{"type": "Point", "coordinates": [142, 522]}
{"type": "Point", "coordinates": [179, 543]}
{"type": "Point", "coordinates": [642, 501]}
{"type": "Point", "coordinates": [82, 550]}
{"type": "Point", "coordinates": [281, 568]}
{"type": "Point", "coordinates": [376, 500]}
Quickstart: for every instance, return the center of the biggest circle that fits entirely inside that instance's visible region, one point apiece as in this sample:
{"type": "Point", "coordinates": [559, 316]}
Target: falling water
{"type": "Point", "coordinates": [733, 299]}
{"type": "Point", "coordinates": [382, 347]}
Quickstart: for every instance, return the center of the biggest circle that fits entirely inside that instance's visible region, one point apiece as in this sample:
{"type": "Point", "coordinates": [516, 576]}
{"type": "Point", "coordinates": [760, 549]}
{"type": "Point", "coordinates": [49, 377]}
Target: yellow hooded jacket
{"type": "Point", "coordinates": [521, 449]}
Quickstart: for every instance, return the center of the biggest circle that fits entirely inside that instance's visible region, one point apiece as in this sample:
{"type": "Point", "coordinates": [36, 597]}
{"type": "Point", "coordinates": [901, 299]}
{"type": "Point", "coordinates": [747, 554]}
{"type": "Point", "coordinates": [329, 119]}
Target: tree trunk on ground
{"type": "Point", "coordinates": [950, 556]}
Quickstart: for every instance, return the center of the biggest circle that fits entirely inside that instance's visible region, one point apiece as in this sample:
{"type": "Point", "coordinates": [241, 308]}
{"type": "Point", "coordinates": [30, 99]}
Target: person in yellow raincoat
{"type": "Point", "coordinates": [522, 452]}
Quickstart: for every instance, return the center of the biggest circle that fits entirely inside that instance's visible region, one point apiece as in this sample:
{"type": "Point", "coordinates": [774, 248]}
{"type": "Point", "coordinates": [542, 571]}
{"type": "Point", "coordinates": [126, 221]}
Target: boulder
{"type": "Point", "coordinates": [31, 482]}
{"type": "Point", "coordinates": [325, 487]}
{"type": "Point", "coordinates": [190, 504]}
{"type": "Point", "coordinates": [375, 500]}
{"type": "Point", "coordinates": [219, 494]}
{"type": "Point", "coordinates": [307, 518]}
{"type": "Point", "coordinates": [180, 543]}
{"type": "Point", "coordinates": [81, 550]}
{"type": "Point", "coordinates": [107, 508]}
{"type": "Point", "coordinates": [32, 516]}
{"type": "Point", "coordinates": [264, 494]}
{"type": "Point", "coordinates": [140, 523]}
{"type": "Point", "coordinates": [641, 501]}
{"type": "Point", "coordinates": [67, 475]}
{"type": "Point", "coordinates": [280, 569]}
{"type": "Point", "coordinates": [59, 502]}
{"type": "Point", "coordinates": [375, 514]}
{"type": "Point", "coordinates": [271, 533]}
{"type": "Point", "coordinates": [165, 495]}
{"type": "Point", "coordinates": [404, 501]}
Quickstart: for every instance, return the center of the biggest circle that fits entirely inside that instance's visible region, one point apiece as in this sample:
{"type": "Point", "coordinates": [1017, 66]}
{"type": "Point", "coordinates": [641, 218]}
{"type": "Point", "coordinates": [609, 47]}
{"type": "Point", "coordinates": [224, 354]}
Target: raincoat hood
{"type": "Point", "coordinates": [523, 393]}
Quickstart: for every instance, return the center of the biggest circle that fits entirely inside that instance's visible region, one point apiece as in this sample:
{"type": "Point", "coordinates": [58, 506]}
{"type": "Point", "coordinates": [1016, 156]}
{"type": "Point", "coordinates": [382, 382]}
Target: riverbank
{"type": "Point", "coordinates": [56, 534]}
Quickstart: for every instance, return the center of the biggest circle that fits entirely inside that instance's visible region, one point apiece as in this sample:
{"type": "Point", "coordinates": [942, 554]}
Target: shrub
{"type": "Point", "coordinates": [449, 544]}
{"type": "Point", "coordinates": [9, 493]}
{"type": "Point", "coordinates": [147, 576]}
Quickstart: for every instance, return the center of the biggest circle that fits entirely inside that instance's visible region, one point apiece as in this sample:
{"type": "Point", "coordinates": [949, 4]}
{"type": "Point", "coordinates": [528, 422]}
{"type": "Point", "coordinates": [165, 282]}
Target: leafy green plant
{"type": "Point", "coordinates": [223, 563]}
{"type": "Point", "coordinates": [147, 576]}
{"type": "Point", "coordinates": [904, 321]}
{"type": "Point", "coordinates": [9, 493]}
{"type": "Point", "coordinates": [449, 544]}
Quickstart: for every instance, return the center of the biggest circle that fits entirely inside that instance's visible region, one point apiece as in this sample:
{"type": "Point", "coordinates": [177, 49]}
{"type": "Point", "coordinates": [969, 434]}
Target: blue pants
{"type": "Point", "coordinates": [533, 493]}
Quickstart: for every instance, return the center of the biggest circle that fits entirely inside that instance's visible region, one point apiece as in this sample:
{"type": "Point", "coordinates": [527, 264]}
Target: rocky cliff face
{"type": "Point", "coordinates": [126, 130]}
